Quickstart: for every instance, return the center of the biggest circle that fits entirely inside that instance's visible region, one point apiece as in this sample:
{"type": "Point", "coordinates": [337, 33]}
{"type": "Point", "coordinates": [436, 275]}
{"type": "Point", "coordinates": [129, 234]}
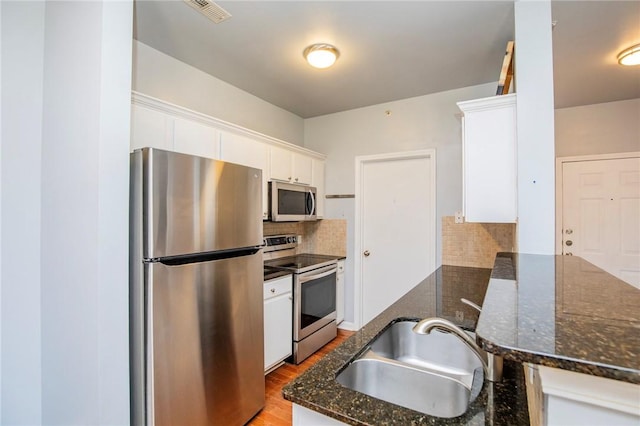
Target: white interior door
{"type": "Point", "coordinates": [396, 220]}
{"type": "Point", "coordinates": [601, 214]}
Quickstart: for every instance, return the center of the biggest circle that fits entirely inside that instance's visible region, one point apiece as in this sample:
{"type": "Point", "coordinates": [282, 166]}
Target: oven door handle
{"type": "Point", "coordinates": [305, 278]}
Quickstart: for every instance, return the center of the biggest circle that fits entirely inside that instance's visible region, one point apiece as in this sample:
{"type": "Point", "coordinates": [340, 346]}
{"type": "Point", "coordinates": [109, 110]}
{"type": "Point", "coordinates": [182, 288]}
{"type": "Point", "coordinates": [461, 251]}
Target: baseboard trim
{"type": "Point", "coordinates": [346, 325]}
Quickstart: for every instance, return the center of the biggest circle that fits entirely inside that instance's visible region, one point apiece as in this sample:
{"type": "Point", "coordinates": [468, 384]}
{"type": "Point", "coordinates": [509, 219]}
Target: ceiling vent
{"type": "Point", "coordinates": [210, 10]}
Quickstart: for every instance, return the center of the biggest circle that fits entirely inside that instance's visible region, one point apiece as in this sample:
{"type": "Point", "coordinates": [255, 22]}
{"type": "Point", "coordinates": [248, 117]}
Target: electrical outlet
{"type": "Point", "coordinates": [459, 217]}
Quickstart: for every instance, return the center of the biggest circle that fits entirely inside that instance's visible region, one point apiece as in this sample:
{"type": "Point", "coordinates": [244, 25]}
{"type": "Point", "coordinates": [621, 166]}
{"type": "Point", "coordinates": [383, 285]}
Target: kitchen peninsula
{"type": "Point", "coordinates": [563, 312]}
{"type": "Point", "coordinates": [437, 295]}
{"type": "Point", "coordinates": [551, 310]}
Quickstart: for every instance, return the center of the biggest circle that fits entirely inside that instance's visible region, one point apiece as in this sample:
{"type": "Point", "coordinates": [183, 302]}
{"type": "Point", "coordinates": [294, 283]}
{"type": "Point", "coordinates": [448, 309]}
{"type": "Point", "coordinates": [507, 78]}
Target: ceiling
{"type": "Point", "coordinates": [389, 50]}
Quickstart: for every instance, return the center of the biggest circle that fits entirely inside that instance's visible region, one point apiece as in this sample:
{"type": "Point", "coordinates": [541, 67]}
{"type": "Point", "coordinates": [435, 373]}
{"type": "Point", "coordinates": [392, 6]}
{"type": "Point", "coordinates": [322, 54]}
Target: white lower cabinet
{"type": "Point", "coordinates": [278, 321]}
{"type": "Point", "coordinates": [570, 398]}
{"type": "Point", "coordinates": [340, 292]}
{"type": "Point", "coordinates": [302, 416]}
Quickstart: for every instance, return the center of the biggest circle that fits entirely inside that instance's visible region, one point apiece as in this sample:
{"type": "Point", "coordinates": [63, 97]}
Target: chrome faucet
{"type": "Point", "coordinates": [491, 364]}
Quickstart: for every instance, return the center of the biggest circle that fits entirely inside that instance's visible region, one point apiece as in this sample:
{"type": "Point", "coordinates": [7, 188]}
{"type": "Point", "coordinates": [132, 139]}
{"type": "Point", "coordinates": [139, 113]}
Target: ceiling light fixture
{"type": "Point", "coordinates": [321, 55]}
{"type": "Point", "coordinates": [630, 56]}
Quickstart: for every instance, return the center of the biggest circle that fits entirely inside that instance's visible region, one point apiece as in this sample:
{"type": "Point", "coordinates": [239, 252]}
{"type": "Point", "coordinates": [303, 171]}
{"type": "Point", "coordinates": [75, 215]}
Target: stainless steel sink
{"type": "Point", "coordinates": [436, 374]}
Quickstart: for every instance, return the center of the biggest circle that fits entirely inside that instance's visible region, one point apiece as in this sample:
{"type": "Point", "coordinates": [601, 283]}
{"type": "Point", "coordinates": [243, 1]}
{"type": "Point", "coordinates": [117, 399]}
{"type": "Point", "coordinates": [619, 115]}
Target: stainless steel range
{"type": "Point", "coordinates": [314, 293]}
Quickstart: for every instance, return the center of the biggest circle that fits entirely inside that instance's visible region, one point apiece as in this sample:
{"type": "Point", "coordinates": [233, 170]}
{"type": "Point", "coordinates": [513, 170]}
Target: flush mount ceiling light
{"type": "Point", "coordinates": [321, 55]}
{"type": "Point", "coordinates": [630, 56]}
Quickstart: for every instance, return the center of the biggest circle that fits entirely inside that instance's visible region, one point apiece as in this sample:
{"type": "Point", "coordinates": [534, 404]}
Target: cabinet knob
{"type": "Point", "coordinates": [366, 253]}
{"type": "Point", "coordinates": [289, 177]}
{"type": "Point", "coordinates": [273, 290]}
{"type": "Point", "coordinates": [296, 179]}
{"type": "Point", "coordinates": [569, 243]}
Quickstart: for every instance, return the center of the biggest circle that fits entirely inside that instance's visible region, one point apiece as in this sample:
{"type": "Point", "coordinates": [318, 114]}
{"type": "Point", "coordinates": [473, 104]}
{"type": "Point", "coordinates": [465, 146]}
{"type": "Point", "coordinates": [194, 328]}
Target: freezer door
{"type": "Point", "coordinates": [192, 204]}
{"type": "Point", "coordinates": [205, 347]}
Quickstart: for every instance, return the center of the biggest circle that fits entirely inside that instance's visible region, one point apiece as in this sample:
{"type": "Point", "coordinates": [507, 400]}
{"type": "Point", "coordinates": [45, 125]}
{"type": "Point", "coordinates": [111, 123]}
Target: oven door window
{"type": "Point", "coordinates": [318, 299]}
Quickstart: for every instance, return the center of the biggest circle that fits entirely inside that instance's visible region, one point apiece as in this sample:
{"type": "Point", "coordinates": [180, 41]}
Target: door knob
{"type": "Point", "coordinates": [366, 253]}
{"type": "Point", "coordinates": [569, 243]}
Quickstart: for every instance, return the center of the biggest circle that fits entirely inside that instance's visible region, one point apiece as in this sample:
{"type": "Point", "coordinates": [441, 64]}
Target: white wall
{"type": "Point", "coordinates": [431, 121]}
{"type": "Point", "coordinates": [605, 128]}
{"type": "Point", "coordinates": [536, 157]}
{"type": "Point", "coordinates": [66, 81]}
{"type": "Point", "coordinates": [22, 101]}
{"type": "Point", "coordinates": [164, 77]}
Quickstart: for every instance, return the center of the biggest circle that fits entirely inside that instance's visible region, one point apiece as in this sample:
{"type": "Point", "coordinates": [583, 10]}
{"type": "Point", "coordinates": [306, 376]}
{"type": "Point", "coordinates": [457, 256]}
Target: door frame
{"type": "Point", "coordinates": [359, 190]}
{"type": "Point", "coordinates": [559, 182]}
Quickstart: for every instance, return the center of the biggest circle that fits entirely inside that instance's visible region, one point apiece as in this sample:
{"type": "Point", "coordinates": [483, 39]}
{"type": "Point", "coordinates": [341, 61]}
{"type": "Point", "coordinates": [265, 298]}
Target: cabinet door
{"type": "Point", "coordinates": [248, 152]}
{"type": "Point", "coordinates": [278, 321]}
{"type": "Point", "coordinates": [150, 128]}
{"type": "Point", "coordinates": [302, 169]}
{"type": "Point", "coordinates": [489, 159]}
{"type": "Point", "coordinates": [318, 182]}
{"type": "Point", "coordinates": [281, 162]}
{"type": "Point", "coordinates": [190, 137]}
{"type": "Point", "coordinates": [340, 292]}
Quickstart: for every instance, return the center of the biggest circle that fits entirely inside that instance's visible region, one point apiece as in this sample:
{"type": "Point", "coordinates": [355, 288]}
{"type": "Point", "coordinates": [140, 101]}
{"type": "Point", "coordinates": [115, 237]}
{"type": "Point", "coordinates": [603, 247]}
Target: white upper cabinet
{"type": "Point", "coordinates": [248, 152]}
{"type": "Point", "coordinates": [191, 137]}
{"type": "Point", "coordinates": [158, 124]}
{"type": "Point", "coordinates": [150, 128]}
{"type": "Point", "coordinates": [489, 159]}
{"type": "Point", "coordinates": [290, 166]}
{"type": "Point", "coordinates": [281, 163]}
{"type": "Point", "coordinates": [302, 169]}
{"type": "Point", "coordinates": [318, 181]}
{"type": "Point", "coordinates": [156, 129]}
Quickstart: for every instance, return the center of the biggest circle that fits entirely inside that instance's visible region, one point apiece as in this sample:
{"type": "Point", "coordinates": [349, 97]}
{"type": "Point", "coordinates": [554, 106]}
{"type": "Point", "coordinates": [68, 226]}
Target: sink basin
{"type": "Point", "coordinates": [436, 373]}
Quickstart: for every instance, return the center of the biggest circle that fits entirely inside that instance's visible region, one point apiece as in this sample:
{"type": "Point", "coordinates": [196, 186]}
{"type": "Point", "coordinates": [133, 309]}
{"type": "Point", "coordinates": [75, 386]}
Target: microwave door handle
{"type": "Point", "coordinates": [306, 278]}
{"type": "Point", "coordinates": [313, 203]}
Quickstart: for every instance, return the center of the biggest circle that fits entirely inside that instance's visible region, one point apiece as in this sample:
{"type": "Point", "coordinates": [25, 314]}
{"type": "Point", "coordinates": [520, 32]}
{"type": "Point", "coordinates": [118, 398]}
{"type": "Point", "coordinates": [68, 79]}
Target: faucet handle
{"type": "Point", "coordinates": [470, 303]}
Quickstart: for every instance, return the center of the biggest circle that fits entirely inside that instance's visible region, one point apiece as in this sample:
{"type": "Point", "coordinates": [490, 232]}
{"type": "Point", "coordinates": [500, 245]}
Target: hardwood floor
{"type": "Point", "coordinates": [277, 410]}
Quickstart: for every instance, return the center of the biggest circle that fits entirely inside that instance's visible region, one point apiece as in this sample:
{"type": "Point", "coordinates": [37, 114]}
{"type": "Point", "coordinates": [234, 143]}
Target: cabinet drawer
{"type": "Point", "coordinates": [277, 287]}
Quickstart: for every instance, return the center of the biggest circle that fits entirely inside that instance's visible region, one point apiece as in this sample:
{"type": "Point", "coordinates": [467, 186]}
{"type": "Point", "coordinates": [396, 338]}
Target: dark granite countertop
{"type": "Point", "coordinates": [272, 274]}
{"type": "Point", "coordinates": [564, 312]}
{"type": "Point", "coordinates": [439, 294]}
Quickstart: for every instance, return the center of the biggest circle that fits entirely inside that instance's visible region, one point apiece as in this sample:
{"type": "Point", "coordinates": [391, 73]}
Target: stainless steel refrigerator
{"type": "Point", "coordinates": [196, 300]}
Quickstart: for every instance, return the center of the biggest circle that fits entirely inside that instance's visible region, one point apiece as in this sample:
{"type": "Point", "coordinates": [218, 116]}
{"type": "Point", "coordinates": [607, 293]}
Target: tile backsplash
{"type": "Point", "coordinates": [475, 244]}
{"type": "Point", "coordinates": [327, 236]}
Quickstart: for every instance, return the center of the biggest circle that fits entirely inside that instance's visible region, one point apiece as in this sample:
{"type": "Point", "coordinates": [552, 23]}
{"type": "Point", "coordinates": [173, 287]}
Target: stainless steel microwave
{"type": "Point", "coordinates": [291, 203]}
